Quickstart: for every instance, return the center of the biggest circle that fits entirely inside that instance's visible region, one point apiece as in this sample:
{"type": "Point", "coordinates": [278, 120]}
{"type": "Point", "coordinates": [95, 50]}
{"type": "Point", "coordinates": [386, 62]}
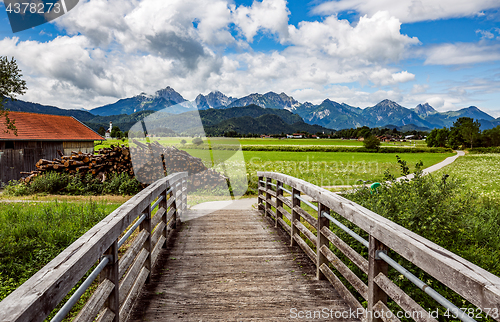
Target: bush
{"type": "Point", "coordinates": [371, 142]}
{"type": "Point", "coordinates": [443, 211]}
{"type": "Point", "coordinates": [60, 183]}
{"type": "Point", "coordinates": [197, 141]}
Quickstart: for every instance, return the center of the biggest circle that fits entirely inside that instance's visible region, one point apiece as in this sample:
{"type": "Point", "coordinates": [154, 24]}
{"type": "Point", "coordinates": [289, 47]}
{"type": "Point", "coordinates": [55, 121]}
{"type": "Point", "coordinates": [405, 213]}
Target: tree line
{"type": "Point", "coordinates": [465, 132]}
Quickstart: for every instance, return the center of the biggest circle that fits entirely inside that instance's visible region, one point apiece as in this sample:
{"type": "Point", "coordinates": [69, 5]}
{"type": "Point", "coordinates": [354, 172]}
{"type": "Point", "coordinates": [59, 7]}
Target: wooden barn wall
{"type": "Point", "coordinates": [85, 147]}
{"type": "Point", "coordinates": [26, 153]}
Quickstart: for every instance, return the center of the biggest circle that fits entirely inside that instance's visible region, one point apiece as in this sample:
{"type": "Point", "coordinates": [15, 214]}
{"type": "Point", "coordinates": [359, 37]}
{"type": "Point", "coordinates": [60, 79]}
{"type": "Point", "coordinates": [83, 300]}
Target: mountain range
{"type": "Point", "coordinates": [328, 114]}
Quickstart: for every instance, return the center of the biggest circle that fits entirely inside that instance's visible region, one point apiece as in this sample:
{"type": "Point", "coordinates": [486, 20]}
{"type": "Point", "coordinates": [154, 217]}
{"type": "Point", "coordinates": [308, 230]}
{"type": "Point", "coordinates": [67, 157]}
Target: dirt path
{"type": "Point", "coordinates": [231, 265]}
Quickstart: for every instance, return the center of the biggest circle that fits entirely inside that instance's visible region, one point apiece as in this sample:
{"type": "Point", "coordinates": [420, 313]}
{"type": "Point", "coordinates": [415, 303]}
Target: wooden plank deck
{"type": "Point", "coordinates": [232, 265]}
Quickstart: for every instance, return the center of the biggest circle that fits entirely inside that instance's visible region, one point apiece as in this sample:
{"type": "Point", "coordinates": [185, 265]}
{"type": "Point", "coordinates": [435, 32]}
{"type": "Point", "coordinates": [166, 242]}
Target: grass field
{"type": "Point", "coordinates": [480, 172]}
{"type": "Point", "coordinates": [249, 141]}
{"type": "Point", "coordinates": [33, 233]}
{"type": "Point", "coordinates": [333, 169]}
{"type": "Point", "coordinates": [320, 168]}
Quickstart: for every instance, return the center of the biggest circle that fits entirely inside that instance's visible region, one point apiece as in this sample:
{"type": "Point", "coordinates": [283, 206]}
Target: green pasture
{"type": "Point", "coordinates": [334, 169]}
{"type": "Point", "coordinates": [333, 142]}
{"type": "Point", "coordinates": [480, 172]}
{"type": "Point", "coordinates": [265, 141]}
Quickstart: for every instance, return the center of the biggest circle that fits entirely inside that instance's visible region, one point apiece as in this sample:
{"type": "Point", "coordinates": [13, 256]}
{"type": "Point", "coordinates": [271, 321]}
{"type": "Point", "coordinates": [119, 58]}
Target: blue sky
{"type": "Point", "coordinates": [445, 52]}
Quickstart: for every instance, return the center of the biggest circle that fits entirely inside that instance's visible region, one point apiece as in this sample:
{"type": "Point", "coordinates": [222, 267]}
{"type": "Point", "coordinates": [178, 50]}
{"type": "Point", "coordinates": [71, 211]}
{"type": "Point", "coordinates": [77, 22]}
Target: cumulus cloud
{"type": "Point", "coordinates": [119, 48]}
{"type": "Point", "coordinates": [269, 15]}
{"type": "Point", "coordinates": [373, 39]}
{"type": "Point", "coordinates": [462, 53]}
{"type": "Point", "coordinates": [410, 10]}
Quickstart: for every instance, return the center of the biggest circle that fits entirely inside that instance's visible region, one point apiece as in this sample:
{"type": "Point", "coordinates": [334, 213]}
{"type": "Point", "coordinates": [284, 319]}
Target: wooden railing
{"type": "Point", "coordinates": [120, 278]}
{"type": "Point", "coordinates": [471, 282]}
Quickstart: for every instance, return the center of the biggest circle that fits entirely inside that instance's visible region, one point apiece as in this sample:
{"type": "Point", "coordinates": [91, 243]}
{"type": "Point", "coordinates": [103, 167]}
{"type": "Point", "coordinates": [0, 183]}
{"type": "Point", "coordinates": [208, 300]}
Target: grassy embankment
{"type": "Point", "coordinates": [33, 233]}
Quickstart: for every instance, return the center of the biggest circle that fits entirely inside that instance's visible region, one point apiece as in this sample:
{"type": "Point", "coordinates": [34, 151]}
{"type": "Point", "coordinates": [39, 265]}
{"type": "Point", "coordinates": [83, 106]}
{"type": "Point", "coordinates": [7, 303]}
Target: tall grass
{"type": "Point", "coordinates": [32, 234]}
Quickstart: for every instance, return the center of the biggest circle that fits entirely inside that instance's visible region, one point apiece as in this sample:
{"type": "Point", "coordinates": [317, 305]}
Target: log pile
{"type": "Point", "coordinates": [108, 161]}
{"type": "Point", "coordinates": [148, 162]}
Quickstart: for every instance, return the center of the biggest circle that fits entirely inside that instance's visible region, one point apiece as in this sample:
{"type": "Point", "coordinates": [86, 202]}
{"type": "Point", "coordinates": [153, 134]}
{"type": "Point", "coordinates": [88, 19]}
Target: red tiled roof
{"type": "Point", "coordinates": [43, 127]}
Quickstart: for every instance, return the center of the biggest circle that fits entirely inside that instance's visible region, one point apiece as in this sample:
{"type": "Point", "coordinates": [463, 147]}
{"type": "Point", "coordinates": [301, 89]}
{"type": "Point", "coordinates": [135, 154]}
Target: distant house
{"type": "Point", "coordinates": [40, 136]}
{"type": "Point", "coordinates": [298, 135]}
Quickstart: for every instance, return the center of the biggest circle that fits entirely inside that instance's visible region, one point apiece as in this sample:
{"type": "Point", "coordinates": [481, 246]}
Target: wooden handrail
{"type": "Point", "coordinates": [37, 297]}
{"type": "Point", "coordinates": [476, 285]}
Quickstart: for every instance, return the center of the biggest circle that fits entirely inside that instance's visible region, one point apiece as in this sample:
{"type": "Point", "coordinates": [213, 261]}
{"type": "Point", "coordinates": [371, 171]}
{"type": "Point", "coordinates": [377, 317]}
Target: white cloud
{"type": "Point", "coordinates": [485, 34]}
{"type": "Point", "coordinates": [373, 39]}
{"type": "Point", "coordinates": [268, 15]}
{"type": "Point", "coordinates": [410, 10]}
{"type": "Point", "coordinates": [462, 53]}
{"type": "Point", "coordinates": [119, 48]}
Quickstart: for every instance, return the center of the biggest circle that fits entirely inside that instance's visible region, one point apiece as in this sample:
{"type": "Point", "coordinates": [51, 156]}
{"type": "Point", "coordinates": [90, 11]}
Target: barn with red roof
{"type": "Point", "coordinates": [40, 136]}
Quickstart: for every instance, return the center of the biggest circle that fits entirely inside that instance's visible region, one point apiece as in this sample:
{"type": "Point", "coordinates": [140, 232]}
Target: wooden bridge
{"type": "Point", "coordinates": [292, 258]}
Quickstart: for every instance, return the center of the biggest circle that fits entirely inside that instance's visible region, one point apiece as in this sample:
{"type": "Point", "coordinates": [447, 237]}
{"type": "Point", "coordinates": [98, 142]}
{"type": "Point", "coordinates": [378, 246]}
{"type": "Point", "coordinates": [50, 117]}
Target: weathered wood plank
{"type": "Point", "coordinates": [157, 217]}
{"type": "Point", "coordinates": [305, 231]}
{"type": "Point", "coordinates": [285, 200]}
{"type": "Point", "coordinates": [403, 300]}
{"type": "Point", "coordinates": [131, 253]}
{"type": "Point", "coordinates": [95, 302]}
{"type": "Point", "coordinates": [156, 249]}
{"type": "Point", "coordinates": [350, 253]}
{"type": "Point", "coordinates": [354, 280]}
{"type": "Point", "coordinates": [307, 216]}
{"type": "Point", "coordinates": [309, 252]}
{"type": "Point", "coordinates": [36, 298]}
{"type": "Point", "coordinates": [271, 192]}
{"type": "Point", "coordinates": [475, 284]}
{"type": "Point", "coordinates": [105, 316]}
{"type": "Point", "coordinates": [376, 266]}
{"type": "Point", "coordinates": [132, 274]}
{"type": "Point", "coordinates": [170, 214]}
{"type": "Point", "coordinates": [170, 201]}
{"type": "Point", "coordinates": [129, 301]}
{"type": "Point", "coordinates": [285, 226]}
{"type": "Point", "coordinates": [285, 213]}
{"type": "Point", "coordinates": [340, 287]}
{"type": "Point", "coordinates": [271, 213]}
{"type": "Point", "coordinates": [384, 312]}
{"type": "Point", "coordinates": [271, 203]}
{"type": "Point", "coordinates": [157, 233]}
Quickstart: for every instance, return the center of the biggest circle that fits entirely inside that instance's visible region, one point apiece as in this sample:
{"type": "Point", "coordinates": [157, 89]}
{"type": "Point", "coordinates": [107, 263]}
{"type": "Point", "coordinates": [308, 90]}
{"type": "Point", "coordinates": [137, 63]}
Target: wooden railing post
{"type": "Point", "coordinates": [321, 240]}
{"type": "Point", "coordinates": [279, 203]}
{"type": "Point", "coordinates": [146, 225]}
{"type": "Point", "coordinates": [110, 272]}
{"type": "Point", "coordinates": [173, 194]}
{"type": "Point", "coordinates": [268, 197]}
{"type": "Point", "coordinates": [184, 194]}
{"type": "Point", "coordinates": [375, 266]}
{"type": "Point", "coordinates": [260, 185]}
{"type": "Point", "coordinates": [163, 204]}
{"type": "Point", "coordinates": [295, 215]}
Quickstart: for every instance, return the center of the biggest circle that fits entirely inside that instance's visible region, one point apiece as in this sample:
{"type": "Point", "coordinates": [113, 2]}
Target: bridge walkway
{"type": "Point", "coordinates": [232, 265]}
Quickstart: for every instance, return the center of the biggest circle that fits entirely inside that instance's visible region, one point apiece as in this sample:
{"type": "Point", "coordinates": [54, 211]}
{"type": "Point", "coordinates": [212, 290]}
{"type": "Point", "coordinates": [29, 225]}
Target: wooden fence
{"type": "Point", "coordinates": [471, 282]}
{"type": "Point", "coordinates": [122, 278]}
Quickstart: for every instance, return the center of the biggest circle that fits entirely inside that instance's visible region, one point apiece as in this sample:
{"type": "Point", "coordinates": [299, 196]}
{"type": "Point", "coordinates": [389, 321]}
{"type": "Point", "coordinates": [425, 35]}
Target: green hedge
{"type": "Point", "coordinates": [493, 149]}
{"type": "Point", "coordinates": [292, 148]}
{"type": "Point", "coordinates": [323, 148]}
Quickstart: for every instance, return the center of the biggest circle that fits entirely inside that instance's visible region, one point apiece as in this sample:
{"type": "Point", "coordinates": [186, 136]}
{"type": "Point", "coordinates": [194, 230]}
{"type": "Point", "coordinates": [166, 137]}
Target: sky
{"type": "Point", "coordinates": [359, 52]}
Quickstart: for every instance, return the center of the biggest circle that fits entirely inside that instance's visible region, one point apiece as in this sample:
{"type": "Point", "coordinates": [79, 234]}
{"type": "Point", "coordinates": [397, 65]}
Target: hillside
{"type": "Point", "coordinates": [265, 124]}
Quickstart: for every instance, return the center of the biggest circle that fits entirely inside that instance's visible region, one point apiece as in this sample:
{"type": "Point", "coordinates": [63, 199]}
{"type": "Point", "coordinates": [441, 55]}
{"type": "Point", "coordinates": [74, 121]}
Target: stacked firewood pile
{"type": "Point", "coordinates": [109, 161]}
{"type": "Point", "coordinates": [148, 162]}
